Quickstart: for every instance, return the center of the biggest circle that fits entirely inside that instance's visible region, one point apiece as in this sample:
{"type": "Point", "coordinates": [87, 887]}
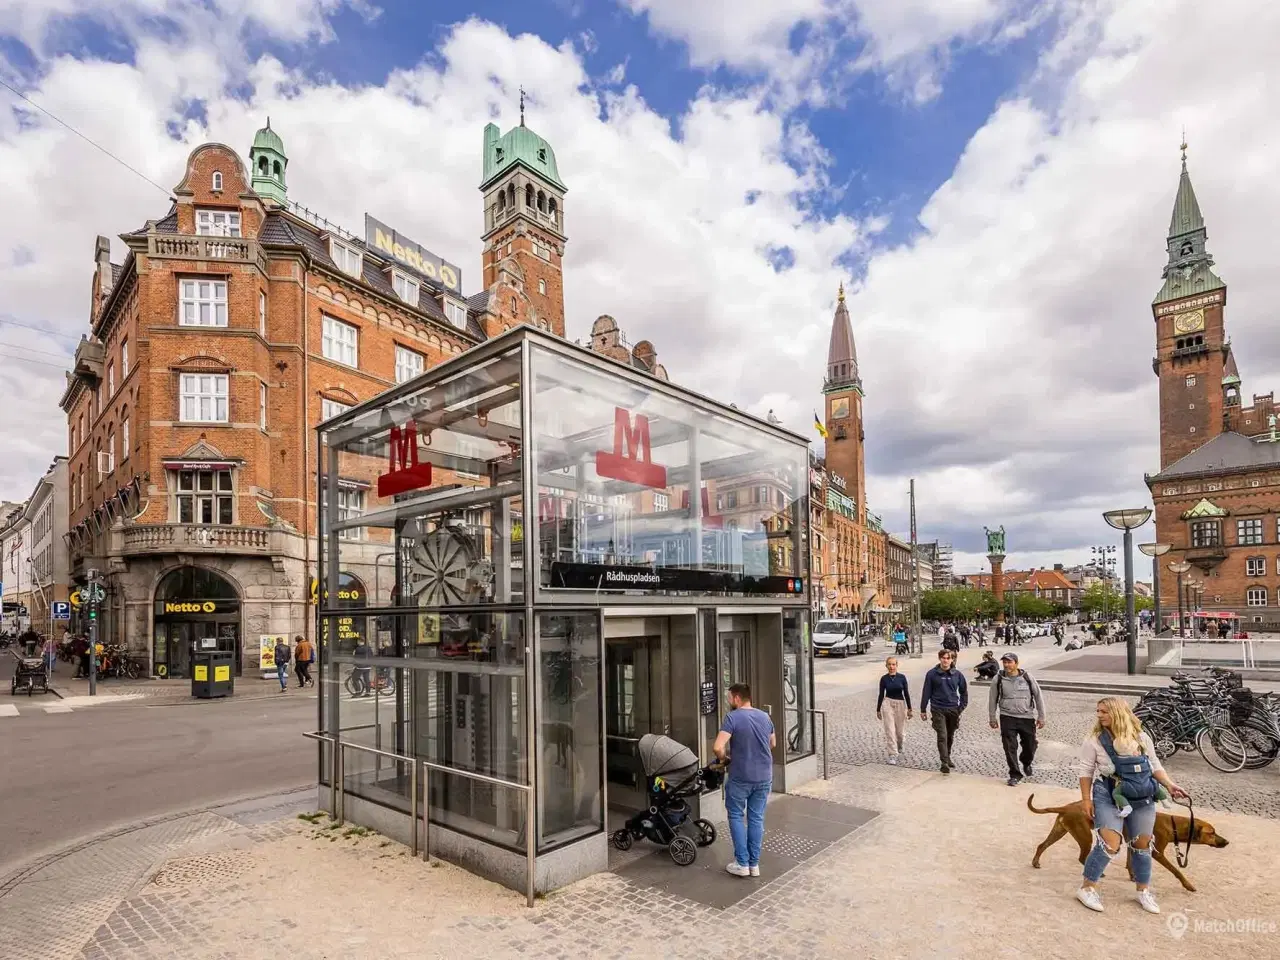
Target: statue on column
{"type": "Point", "coordinates": [995, 541]}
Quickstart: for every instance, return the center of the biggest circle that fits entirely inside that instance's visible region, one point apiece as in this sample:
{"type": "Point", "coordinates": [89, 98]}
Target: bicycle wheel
{"type": "Point", "coordinates": [1222, 749]}
{"type": "Point", "coordinates": [1261, 743]}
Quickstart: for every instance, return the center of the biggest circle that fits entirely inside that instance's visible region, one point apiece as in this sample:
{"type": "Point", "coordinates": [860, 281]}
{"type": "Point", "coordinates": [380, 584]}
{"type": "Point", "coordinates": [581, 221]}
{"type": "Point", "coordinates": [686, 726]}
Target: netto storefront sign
{"type": "Point", "coordinates": [181, 608]}
{"type": "Point", "coordinates": [596, 576]}
{"type": "Point", "coordinates": [382, 238]}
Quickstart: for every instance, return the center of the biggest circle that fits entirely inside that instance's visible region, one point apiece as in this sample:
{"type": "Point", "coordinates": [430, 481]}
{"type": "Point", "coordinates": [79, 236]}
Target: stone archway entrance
{"type": "Point", "coordinates": [195, 609]}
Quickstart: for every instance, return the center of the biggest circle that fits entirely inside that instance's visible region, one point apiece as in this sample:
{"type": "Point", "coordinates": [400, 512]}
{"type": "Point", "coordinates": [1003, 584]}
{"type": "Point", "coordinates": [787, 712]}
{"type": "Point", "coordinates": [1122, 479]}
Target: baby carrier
{"type": "Point", "coordinates": [1133, 779]}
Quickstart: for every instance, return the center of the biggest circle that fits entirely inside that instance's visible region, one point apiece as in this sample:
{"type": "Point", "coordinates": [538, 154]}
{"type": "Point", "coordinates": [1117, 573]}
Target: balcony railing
{"type": "Point", "coordinates": [201, 247]}
{"type": "Point", "coordinates": [142, 539]}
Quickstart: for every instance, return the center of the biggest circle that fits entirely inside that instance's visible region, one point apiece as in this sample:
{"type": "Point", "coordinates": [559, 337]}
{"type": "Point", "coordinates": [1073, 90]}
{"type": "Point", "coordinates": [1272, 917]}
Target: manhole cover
{"type": "Point", "coordinates": [201, 871]}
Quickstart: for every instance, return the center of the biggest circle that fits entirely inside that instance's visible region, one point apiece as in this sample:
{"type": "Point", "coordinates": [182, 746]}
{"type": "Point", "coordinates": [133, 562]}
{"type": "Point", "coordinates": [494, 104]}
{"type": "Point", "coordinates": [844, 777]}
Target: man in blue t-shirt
{"type": "Point", "coordinates": [748, 738]}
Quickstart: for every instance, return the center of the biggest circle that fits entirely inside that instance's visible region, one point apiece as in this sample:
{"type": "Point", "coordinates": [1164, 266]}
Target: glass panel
{"type": "Point", "coordinates": [627, 477]}
{"type": "Point", "coordinates": [797, 683]}
{"type": "Point", "coordinates": [374, 711]}
{"type": "Point", "coordinates": [570, 800]}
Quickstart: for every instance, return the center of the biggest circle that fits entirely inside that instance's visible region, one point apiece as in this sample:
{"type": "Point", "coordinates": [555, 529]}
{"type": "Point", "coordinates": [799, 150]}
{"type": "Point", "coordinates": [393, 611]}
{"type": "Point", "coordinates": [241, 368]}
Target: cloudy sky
{"type": "Point", "coordinates": [992, 179]}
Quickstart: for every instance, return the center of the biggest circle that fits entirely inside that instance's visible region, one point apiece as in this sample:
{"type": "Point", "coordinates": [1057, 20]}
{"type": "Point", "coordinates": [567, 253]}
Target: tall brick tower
{"type": "Point", "coordinates": [524, 234]}
{"type": "Point", "coordinates": [1191, 347]}
{"type": "Point", "coordinates": [843, 390]}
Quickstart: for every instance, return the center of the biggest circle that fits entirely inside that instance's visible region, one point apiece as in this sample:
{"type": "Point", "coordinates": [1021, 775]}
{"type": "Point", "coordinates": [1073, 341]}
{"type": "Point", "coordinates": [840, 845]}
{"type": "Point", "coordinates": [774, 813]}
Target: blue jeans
{"type": "Point", "coordinates": [1140, 823]}
{"type": "Point", "coordinates": [744, 802]}
{"type": "Point", "coordinates": [282, 674]}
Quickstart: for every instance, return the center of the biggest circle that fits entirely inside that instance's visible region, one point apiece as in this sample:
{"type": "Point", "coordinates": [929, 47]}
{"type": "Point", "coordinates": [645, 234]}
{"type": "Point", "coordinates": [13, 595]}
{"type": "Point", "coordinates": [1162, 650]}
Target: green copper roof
{"type": "Point", "coordinates": [519, 145]}
{"type": "Point", "coordinates": [1204, 509]}
{"type": "Point", "coordinates": [1189, 270]}
{"type": "Point", "coordinates": [268, 139]}
{"type": "Point", "coordinates": [1186, 209]}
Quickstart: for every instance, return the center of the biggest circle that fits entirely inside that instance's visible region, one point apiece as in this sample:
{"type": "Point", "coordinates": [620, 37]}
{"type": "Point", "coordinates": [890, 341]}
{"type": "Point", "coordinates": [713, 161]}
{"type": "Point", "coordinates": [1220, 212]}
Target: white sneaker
{"type": "Point", "coordinates": [755, 871]}
{"type": "Point", "coordinates": [1090, 897]}
{"type": "Point", "coordinates": [737, 869]}
{"type": "Point", "coordinates": [893, 761]}
{"type": "Point", "coordinates": [1147, 901]}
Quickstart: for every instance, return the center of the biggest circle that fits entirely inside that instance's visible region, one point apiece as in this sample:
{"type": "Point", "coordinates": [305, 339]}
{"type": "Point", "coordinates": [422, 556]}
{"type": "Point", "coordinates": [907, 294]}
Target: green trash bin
{"type": "Point", "coordinates": [212, 674]}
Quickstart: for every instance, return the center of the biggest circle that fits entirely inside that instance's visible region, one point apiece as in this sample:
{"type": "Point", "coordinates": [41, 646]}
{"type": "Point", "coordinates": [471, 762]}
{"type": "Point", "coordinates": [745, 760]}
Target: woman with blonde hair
{"type": "Point", "coordinates": [893, 706]}
{"type": "Point", "coordinates": [1118, 760]}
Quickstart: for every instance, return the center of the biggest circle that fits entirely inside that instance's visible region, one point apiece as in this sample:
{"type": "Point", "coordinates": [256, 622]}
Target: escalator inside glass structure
{"type": "Point", "coordinates": [542, 590]}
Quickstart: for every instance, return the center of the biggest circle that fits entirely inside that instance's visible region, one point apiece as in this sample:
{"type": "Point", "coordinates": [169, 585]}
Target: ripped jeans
{"type": "Point", "coordinates": [1140, 823]}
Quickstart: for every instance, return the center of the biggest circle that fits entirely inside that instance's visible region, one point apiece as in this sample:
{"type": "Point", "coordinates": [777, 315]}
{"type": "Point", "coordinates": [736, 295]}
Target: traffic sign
{"type": "Point", "coordinates": [95, 593]}
{"type": "Point", "coordinates": [61, 610]}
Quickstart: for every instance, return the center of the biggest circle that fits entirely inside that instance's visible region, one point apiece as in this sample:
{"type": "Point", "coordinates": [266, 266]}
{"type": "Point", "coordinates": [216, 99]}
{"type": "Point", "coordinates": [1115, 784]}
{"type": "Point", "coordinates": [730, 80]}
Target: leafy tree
{"type": "Point", "coordinates": [957, 603]}
{"type": "Point", "coordinates": [1030, 607]}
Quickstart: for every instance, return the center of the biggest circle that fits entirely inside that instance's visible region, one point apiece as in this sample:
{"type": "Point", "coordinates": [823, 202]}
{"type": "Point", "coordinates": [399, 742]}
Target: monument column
{"type": "Point", "coordinates": [995, 554]}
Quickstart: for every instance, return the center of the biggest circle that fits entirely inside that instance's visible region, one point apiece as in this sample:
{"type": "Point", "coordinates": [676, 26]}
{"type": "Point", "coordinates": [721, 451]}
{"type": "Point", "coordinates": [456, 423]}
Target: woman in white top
{"type": "Point", "coordinates": [1117, 725]}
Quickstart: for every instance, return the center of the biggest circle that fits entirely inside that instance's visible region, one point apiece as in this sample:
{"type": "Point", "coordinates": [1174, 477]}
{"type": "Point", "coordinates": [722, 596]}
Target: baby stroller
{"type": "Point", "coordinates": [671, 774]}
{"type": "Point", "coordinates": [29, 675]}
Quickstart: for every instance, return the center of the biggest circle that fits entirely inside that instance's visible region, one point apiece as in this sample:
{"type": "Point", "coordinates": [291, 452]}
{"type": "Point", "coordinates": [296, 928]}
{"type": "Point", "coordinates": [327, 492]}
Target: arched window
{"type": "Point", "coordinates": [124, 434]}
{"type": "Point", "coordinates": [502, 200]}
{"type": "Point", "coordinates": [276, 168]}
{"type": "Point", "coordinates": [528, 195]}
{"type": "Point", "coordinates": [542, 201]}
{"type": "Point", "coordinates": [511, 195]}
{"type": "Point", "coordinates": [551, 207]}
{"type": "Point", "coordinates": [1186, 249]}
{"type": "Point", "coordinates": [515, 307]}
{"type": "Point", "coordinates": [263, 165]}
{"type": "Point", "coordinates": [217, 180]}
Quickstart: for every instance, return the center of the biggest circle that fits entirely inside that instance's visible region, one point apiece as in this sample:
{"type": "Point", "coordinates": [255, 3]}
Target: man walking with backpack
{"type": "Point", "coordinates": [1016, 698]}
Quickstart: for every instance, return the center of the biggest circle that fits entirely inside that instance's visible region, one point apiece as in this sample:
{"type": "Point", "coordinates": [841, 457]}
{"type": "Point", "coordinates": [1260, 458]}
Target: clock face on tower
{"type": "Point", "coordinates": [1189, 322]}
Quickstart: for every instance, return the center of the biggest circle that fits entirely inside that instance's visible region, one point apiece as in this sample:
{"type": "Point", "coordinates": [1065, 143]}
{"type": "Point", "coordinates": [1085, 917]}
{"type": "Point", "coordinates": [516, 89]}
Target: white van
{"type": "Point", "coordinates": [838, 638]}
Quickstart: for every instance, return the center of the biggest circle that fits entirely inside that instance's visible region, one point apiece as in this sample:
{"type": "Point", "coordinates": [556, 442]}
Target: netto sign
{"type": "Point", "coordinates": [378, 236]}
{"type": "Point", "coordinates": [174, 608]}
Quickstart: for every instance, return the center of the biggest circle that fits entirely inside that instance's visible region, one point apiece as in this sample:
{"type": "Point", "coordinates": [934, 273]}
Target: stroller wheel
{"type": "Point", "coordinates": [621, 839]}
{"type": "Point", "coordinates": [682, 851]}
{"type": "Point", "coordinates": [706, 832]}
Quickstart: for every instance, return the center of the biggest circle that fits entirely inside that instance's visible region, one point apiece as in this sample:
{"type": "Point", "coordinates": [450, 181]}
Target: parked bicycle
{"type": "Point", "coordinates": [361, 681]}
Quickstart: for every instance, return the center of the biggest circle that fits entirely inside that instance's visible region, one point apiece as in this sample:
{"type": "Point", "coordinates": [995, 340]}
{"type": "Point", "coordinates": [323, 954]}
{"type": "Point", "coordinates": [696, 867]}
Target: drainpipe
{"type": "Point", "coordinates": [306, 456]}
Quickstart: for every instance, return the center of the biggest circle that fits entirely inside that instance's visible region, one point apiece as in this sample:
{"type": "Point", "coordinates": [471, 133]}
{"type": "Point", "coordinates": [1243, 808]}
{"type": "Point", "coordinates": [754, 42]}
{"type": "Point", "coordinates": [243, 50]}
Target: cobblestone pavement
{"type": "Point", "coordinates": [857, 738]}
{"type": "Point", "coordinates": [261, 888]}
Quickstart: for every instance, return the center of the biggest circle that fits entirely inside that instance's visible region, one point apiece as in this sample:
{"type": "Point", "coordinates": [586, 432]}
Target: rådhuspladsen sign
{"type": "Point", "coordinates": [601, 576]}
{"type": "Point", "coordinates": [378, 236]}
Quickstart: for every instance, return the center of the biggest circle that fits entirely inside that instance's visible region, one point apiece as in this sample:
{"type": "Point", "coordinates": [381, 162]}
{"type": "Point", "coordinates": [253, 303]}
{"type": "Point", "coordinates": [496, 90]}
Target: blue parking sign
{"type": "Point", "coordinates": [61, 610]}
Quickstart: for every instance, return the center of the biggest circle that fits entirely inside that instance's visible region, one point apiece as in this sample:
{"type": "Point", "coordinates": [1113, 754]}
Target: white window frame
{"type": "Point", "coordinates": [455, 313]}
{"type": "Point", "coordinates": [1255, 566]}
{"type": "Point", "coordinates": [406, 287]}
{"type": "Point", "coordinates": [262, 405]}
{"type": "Point", "coordinates": [124, 358]}
{"type": "Point", "coordinates": [340, 341]}
{"type": "Point", "coordinates": [661, 503]}
{"type": "Point", "coordinates": [111, 449]}
{"type": "Point", "coordinates": [213, 496]}
{"type": "Point", "coordinates": [1255, 597]}
{"type": "Point", "coordinates": [217, 223]}
{"type": "Point", "coordinates": [204, 397]}
{"type": "Point", "coordinates": [207, 299]}
{"type": "Point", "coordinates": [111, 380]}
{"type": "Point", "coordinates": [542, 286]}
{"type": "Point", "coordinates": [216, 180]}
{"type": "Point", "coordinates": [409, 363]}
{"type": "Point", "coordinates": [124, 438]}
{"type": "Point", "coordinates": [347, 258]}
{"type": "Point", "coordinates": [262, 314]}
{"type": "Point", "coordinates": [331, 408]}
{"type": "Point", "coordinates": [351, 504]}
{"type": "Point", "coordinates": [541, 251]}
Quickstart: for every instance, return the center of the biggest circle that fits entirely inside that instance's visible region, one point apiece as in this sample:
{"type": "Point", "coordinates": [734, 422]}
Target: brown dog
{"type": "Point", "coordinates": [1071, 819]}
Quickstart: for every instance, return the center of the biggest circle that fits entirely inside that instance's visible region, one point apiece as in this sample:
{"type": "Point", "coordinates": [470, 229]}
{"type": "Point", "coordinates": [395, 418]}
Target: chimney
{"type": "Point", "coordinates": [102, 257]}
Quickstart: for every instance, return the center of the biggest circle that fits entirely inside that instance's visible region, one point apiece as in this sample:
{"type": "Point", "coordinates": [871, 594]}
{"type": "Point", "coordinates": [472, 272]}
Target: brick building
{"type": "Point", "coordinates": [1050, 585]}
{"type": "Point", "coordinates": [237, 322]}
{"type": "Point", "coordinates": [1217, 494]}
{"type": "Point", "coordinates": [853, 536]}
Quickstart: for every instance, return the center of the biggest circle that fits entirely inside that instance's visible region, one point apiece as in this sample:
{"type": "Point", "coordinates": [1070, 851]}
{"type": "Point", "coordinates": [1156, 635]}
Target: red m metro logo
{"type": "Point", "coordinates": [405, 472]}
{"type": "Point", "coordinates": [632, 456]}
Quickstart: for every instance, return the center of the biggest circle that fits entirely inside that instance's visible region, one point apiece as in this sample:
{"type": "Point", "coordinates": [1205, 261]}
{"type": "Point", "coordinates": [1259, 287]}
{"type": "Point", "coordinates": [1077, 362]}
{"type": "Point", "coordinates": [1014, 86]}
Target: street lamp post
{"type": "Point", "coordinates": [1128, 521]}
{"type": "Point", "coordinates": [1104, 559]}
{"type": "Point", "coordinates": [1155, 551]}
{"type": "Point", "coordinates": [1181, 567]}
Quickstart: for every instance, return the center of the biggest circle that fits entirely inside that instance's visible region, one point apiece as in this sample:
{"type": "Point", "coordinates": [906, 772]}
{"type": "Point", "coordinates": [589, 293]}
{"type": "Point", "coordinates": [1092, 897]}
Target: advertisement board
{"type": "Point", "coordinates": [378, 236]}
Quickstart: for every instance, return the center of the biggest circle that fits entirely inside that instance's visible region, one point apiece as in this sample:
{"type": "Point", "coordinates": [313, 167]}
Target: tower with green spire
{"type": "Point", "coordinates": [1189, 269]}
{"type": "Point", "coordinates": [267, 162]}
{"type": "Point", "coordinates": [524, 228]}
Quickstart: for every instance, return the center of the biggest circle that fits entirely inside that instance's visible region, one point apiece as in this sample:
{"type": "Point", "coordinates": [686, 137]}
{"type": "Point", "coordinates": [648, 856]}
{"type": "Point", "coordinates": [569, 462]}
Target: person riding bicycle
{"type": "Point", "coordinates": [361, 674]}
{"type": "Point", "coordinates": [900, 641]}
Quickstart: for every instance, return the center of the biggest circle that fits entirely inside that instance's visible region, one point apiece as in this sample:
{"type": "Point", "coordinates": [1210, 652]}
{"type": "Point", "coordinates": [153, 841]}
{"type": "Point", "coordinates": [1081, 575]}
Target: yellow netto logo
{"type": "Point", "coordinates": [190, 606]}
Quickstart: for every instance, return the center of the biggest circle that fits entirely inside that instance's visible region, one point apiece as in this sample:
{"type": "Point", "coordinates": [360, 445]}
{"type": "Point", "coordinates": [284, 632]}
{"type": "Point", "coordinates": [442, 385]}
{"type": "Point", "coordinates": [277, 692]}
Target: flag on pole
{"type": "Point", "coordinates": [817, 425]}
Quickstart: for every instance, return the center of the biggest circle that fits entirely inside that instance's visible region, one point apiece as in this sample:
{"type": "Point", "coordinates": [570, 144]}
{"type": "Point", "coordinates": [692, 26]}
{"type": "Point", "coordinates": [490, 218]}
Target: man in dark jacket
{"type": "Point", "coordinates": [946, 694]}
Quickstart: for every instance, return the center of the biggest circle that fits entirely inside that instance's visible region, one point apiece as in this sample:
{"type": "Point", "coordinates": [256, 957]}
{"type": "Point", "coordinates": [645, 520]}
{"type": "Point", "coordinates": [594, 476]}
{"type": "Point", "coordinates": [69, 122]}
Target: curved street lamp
{"type": "Point", "coordinates": [1180, 567]}
{"type": "Point", "coordinates": [1155, 551]}
{"type": "Point", "coordinates": [1128, 520]}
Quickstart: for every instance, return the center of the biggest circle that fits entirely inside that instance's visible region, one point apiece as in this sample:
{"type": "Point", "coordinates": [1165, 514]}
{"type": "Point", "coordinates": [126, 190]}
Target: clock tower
{"type": "Point", "coordinates": [1191, 344]}
{"type": "Point", "coordinates": [843, 392]}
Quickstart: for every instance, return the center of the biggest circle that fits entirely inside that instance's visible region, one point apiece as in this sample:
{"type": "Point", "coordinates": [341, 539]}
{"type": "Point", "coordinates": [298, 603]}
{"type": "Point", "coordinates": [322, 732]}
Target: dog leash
{"type": "Point", "coordinates": [1184, 858]}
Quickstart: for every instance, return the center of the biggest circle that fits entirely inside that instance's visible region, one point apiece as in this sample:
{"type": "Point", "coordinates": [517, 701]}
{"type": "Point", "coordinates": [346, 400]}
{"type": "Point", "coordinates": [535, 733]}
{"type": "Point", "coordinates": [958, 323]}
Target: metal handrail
{"type": "Point", "coordinates": [825, 752]}
{"type": "Point", "coordinates": [337, 794]}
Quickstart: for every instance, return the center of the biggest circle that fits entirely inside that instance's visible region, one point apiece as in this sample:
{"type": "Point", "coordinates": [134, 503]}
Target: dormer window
{"type": "Point", "coordinates": [348, 259]}
{"type": "Point", "coordinates": [406, 287]}
{"type": "Point", "coordinates": [456, 313]}
{"type": "Point", "coordinates": [217, 180]}
{"type": "Point", "coordinates": [542, 155]}
{"type": "Point", "coordinates": [498, 154]}
{"type": "Point", "coordinates": [218, 223]}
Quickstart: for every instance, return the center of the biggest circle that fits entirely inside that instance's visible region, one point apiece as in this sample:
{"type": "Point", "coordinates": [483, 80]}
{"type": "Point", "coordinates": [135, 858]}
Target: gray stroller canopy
{"type": "Point", "coordinates": [663, 757]}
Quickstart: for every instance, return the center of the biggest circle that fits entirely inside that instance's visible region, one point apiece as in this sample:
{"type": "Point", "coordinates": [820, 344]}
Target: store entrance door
{"type": "Point", "coordinates": [636, 702]}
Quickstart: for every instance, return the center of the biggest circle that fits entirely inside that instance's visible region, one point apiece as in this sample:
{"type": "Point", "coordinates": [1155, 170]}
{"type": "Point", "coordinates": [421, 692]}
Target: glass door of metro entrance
{"type": "Point", "coordinates": [635, 704]}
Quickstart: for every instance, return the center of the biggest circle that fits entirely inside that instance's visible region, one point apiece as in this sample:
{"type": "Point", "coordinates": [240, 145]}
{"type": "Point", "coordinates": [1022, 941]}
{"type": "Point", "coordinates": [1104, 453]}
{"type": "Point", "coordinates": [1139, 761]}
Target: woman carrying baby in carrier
{"type": "Point", "coordinates": [1121, 781]}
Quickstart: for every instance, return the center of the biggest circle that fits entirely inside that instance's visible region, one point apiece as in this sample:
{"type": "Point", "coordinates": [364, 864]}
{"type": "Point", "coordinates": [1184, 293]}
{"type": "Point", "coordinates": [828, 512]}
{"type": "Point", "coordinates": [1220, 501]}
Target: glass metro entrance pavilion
{"type": "Point", "coordinates": [582, 554]}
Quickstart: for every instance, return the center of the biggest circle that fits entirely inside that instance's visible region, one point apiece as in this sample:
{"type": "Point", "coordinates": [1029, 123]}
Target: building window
{"type": "Point", "coordinates": [262, 406]}
{"type": "Point", "coordinates": [406, 287]}
{"type": "Point", "coordinates": [203, 397]}
{"type": "Point", "coordinates": [1255, 567]}
{"type": "Point", "coordinates": [1249, 532]}
{"type": "Point", "coordinates": [203, 303]}
{"type": "Point", "coordinates": [111, 450]}
{"type": "Point", "coordinates": [409, 364]}
{"type": "Point", "coordinates": [457, 313]}
{"type": "Point", "coordinates": [515, 307]}
{"type": "Point", "coordinates": [542, 286]}
{"type": "Point", "coordinates": [124, 437]}
{"type": "Point", "coordinates": [262, 314]}
{"type": "Point", "coordinates": [1206, 533]}
{"type": "Point", "coordinates": [731, 499]}
{"type": "Point", "coordinates": [350, 506]}
{"type": "Point", "coordinates": [660, 503]}
{"type": "Point", "coordinates": [217, 180]}
{"type": "Point", "coordinates": [217, 223]}
{"type": "Point", "coordinates": [339, 342]}
{"type": "Point", "coordinates": [1191, 380]}
{"type": "Point", "coordinates": [348, 259]}
{"type": "Point", "coordinates": [124, 358]}
{"type": "Point", "coordinates": [205, 496]}
{"type": "Point", "coordinates": [542, 250]}
{"type": "Point", "coordinates": [331, 408]}
{"type": "Point", "coordinates": [1256, 596]}
{"type": "Point", "coordinates": [111, 380]}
